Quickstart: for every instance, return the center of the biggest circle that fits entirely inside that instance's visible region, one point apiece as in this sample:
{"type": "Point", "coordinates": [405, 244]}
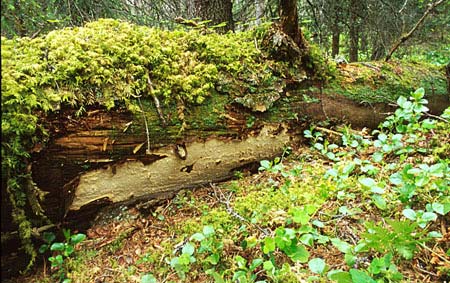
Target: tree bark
{"type": "Point", "coordinates": [378, 51]}
{"type": "Point", "coordinates": [289, 22]}
{"type": "Point", "coordinates": [259, 11]}
{"type": "Point", "coordinates": [353, 31]}
{"type": "Point", "coordinates": [103, 157]}
{"type": "Point", "coordinates": [335, 42]}
{"type": "Point", "coordinates": [218, 11]}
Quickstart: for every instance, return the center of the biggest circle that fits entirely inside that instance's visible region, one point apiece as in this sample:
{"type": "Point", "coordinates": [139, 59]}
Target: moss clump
{"type": "Point", "coordinates": [382, 82]}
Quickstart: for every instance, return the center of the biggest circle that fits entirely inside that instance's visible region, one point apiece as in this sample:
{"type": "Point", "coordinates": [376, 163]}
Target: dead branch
{"type": "Point", "coordinates": [226, 201]}
{"type": "Point", "coordinates": [189, 23]}
{"type": "Point", "coordinates": [405, 37]}
{"type": "Point", "coordinates": [157, 104]}
{"type": "Point", "coordinates": [146, 127]}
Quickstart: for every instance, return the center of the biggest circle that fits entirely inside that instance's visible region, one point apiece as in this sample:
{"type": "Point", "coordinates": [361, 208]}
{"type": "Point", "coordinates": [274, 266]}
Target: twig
{"type": "Point", "coordinates": [403, 7]}
{"type": "Point", "coordinates": [36, 232]}
{"type": "Point", "coordinates": [427, 272]}
{"type": "Point", "coordinates": [371, 66]}
{"type": "Point", "coordinates": [405, 37]}
{"type": "Point", "coordinates": [436, 117]}
{"type": "Point", "coordinates": [157, 104]}
{"type": "Point", "coordinates": [435, 253]}
{"type": "Point", "coordinates": [226, 201]}
{"type": "Point", "coordinates": [256, 44]}
{"type": "Point", "coordinates": [146, 126]}
{"type": "Point", "coordinates": [330, 131]}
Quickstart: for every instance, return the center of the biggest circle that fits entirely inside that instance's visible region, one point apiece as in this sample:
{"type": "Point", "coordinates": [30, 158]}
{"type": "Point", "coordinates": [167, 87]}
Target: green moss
{"type": "Point", "coordinates": [381, 81]}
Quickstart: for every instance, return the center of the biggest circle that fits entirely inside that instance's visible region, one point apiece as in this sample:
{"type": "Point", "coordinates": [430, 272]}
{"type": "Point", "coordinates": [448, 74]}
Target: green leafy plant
{"type": "Point", "coordinates": [245, 272]}
{"type": "Point", "coordinates": [384, 268]}
{"type": "Point", "coordinates": [422, 218]}
{"type": "Point", "coordinates": [209, 245]}
{"type": "Point", "coordinates": [61, 251]}
{"type": "Point", "coordinates": [286, 239]}
{"type": "Point", "coordinates": [317, 266]}
{"type": "Point", "coordinates": [401, 237]}
{"type": "Point", "coordinates": [274, 166]}
{"type": "Point", "coordinates": [406, 117]}
{"type": "Point", "coordinates": [202, 247]}
{"type": "Point", "coordinates": [182, 264]}
{"type": "Point", "coordinates": [148, 278]}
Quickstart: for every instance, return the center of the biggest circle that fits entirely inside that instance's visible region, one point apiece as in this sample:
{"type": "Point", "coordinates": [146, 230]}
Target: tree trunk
{"type": "Point", "coordinates": [103, 158]}
{"type": "Point", "coordinates": [289, 22]}
{"type": "Point", "coordinates": [259, 11]}
{"type": "Point", "coordinates": [218, 11]}
{"type": "Point", "coordinates": [378, 51]}
{"type": "Point", "coordinates": [353, 32]}
{"type": "Point", "coordinates": [335, 42]}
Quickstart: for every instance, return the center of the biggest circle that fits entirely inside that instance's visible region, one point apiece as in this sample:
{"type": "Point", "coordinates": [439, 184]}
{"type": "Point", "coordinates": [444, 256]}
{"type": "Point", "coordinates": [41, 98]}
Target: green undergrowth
{"type": "Point", "coordinates": [353, 207]}
{"type": "Point", "coordinates": [358, 207]}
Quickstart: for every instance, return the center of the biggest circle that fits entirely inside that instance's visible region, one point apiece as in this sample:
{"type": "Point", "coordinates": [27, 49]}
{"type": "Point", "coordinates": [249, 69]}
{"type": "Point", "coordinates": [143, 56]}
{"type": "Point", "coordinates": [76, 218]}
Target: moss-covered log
{"type": "Point", "coordinates": [103, 156]}
{"type": "Point", "coordinates": [112, 112]}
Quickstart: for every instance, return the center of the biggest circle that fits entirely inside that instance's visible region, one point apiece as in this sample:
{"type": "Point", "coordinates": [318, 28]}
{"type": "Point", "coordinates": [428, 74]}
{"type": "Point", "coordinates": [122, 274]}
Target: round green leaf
{"type": "Point", "coordinates": [57, 247]}
{"type": "Point", "coordinates": [188, 249]}
{"type": "Point", "coordinates": [198, 237]}
{"type": "Point", "coordinates": [269, 245]}
{"type": "Point", "coordinates": [429, 216]}
{"type": "Point", "coordinates": [342, 246]}
{"type": "Point", "coordinates": [367, 182]}
{"type": "Point", "coordinates": [75, 239]}
{"type": "Point", "coordinates": [49, 237]}
{"type": "Point", "coordinates": [148, 278]}
{"type": "Point", "coordinates": [410, 214]}
{"type": "Point", "coordinates": [434, 234]}
{"type": "Point", "coordinates": [438, 208]}
{"type": "Point", "coordinates": [359, 276]}
{"type": "Point", "coordinates": [268, 266]}
{"type": "Point", "coordinates": [317, 265]}
{"type": "Point", "coordinates": [208, 231]}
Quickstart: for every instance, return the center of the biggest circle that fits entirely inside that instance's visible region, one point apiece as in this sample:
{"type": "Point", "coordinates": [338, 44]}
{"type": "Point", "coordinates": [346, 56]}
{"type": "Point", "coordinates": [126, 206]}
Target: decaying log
{"type": "Point", "coordinates": [101, 158]}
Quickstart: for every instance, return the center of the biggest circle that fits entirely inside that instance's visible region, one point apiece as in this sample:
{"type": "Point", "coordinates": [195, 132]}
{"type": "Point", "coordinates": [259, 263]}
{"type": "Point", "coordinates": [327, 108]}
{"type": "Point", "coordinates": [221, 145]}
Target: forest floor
{"type": "Point", "coordinates": [352, 206]}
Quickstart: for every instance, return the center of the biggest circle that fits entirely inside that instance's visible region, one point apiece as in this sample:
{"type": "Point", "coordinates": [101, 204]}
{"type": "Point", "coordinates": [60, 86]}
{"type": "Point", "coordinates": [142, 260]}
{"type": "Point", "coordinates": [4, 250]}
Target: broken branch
{"type": "Point", "coordinates": [405, 37]}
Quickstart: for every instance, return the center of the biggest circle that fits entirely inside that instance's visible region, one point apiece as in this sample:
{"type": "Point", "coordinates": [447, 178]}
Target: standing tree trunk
{"type": "Point", "coordinates": [259, 11]}
{"type": "Point", "coordinates": [353, 31]}
{"type": "Point", "coordinates": [378, 50]}
{"type": "Point", "coordinates": [335, 41]}
{"type": "Point", "coordinates": [218, 11]}
{"type": "Point", "coordinates": [289, 22]}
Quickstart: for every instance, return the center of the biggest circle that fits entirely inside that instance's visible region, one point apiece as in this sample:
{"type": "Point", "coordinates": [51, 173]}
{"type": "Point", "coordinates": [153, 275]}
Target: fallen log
{"type": "Point", "coordinates": [122, 127]}
{"type": "Point", "coordinates": [101, 158]}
